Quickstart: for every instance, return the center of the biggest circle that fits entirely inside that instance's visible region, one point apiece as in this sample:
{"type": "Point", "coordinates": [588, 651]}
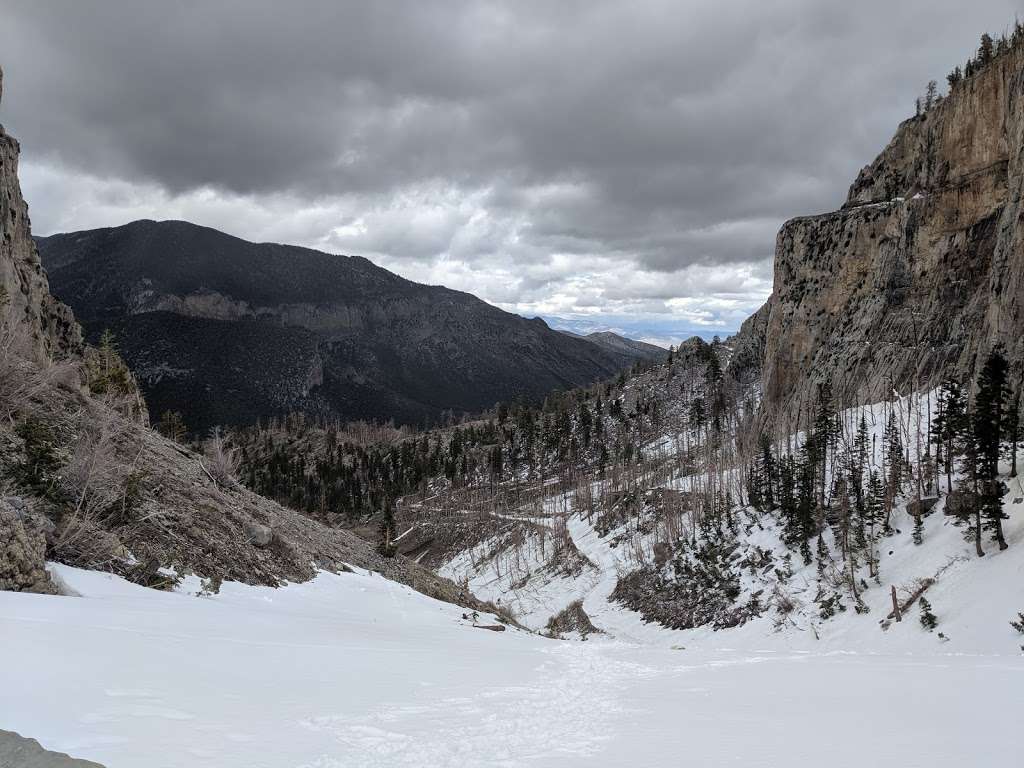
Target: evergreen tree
{"type": "Point", "coordinates": [988, 422]}
{"type": "Point", "coordinates": [894, 465]}
{"type": "Point", "coordinates": [874, 506]}
{"type": "Point", "coordinates": [824, 436]}
{"type": "Point", "coordinates": [985, 49]}
{"type": "Point", "coordinates": [387, 546]}
{"type": "Point", "coordinates": [754, 487]}
{"type": "Point", "coordinates": [918, 534]}
{"type": "Point", "coordinates": [928, 619]}
{"type": "Point", "coordinates": [766, 471]}
{"type": "Point", "coordinates": [950, 425]}
{"type": "Point", "coordinates": [788, 500]}
{"type": "Point", "coordinates": [805, 505]}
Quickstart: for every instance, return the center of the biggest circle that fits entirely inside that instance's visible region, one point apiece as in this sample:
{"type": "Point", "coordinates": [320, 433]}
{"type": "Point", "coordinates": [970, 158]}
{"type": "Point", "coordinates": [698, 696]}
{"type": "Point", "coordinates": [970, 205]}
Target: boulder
{"type": "Point", "coordinates": [259, 535]}
{"type": "Point", "coordinates": [921, 507]}
{"type": "Point", "coordinates": [960, 503]}
{"type": "Point", "coordinates": [22, 553]}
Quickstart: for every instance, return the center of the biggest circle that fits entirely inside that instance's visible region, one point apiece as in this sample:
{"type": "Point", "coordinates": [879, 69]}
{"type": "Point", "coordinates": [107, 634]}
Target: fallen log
{"type": "Point", "coordinates": [899, 609]}
{"type": "Point", "coordinates": [492, 627]}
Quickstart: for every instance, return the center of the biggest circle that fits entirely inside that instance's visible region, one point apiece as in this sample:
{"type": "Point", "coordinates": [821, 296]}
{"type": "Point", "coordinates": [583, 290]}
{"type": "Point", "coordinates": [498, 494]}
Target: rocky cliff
{"type": "Point", "coordinates": [920, 272]}
{"type": "Point", "coordinates": [228, 332]}
{"type": "Point", "coordinates": [32, 323]}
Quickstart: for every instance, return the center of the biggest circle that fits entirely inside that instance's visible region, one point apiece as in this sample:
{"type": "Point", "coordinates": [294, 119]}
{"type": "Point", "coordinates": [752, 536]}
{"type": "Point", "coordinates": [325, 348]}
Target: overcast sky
{"type": "Point", "coordinates": [616, 165]}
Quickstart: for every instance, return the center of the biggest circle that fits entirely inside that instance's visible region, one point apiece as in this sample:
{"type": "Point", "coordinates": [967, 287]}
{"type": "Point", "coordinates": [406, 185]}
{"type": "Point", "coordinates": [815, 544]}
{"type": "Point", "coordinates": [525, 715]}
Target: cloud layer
{"type": "Point", "coordinates": [624, 164]}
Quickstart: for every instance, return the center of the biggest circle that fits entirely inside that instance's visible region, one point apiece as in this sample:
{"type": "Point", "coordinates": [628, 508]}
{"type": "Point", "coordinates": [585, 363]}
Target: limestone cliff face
{"type": "Point", "coordinates": [921, 271]}
{"type": "Point", "coordinates": [32, 323]}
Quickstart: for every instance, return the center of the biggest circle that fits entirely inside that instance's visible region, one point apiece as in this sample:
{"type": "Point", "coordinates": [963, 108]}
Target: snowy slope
{"type": "Point", "coordinates": [352, 670]}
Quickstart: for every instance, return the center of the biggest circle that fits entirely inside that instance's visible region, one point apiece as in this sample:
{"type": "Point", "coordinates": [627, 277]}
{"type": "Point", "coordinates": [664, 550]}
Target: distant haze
{"type": "Point", "coordinates": [620, 165]}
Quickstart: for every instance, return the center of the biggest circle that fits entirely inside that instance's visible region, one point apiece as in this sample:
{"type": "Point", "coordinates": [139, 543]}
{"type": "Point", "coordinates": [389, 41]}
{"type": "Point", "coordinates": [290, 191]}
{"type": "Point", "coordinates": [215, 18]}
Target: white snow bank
{"type": "Point", "coordinates": [352, 670]}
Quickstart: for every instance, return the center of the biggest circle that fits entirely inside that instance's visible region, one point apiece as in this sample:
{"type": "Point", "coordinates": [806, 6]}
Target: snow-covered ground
{"type": "Point", "coordinates": [352, 670]}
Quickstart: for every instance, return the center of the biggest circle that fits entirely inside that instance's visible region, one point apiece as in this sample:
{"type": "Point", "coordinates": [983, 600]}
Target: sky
{"type": "Point", "coordinates": [616, 165]}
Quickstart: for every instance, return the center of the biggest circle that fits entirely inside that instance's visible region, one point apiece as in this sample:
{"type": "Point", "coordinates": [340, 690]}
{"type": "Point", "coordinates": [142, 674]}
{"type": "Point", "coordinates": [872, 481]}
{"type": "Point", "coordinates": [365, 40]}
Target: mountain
{"type": "Point", "coordinates": [227, 331]}
{"type": "Point", "coordinates": [920, 272]}
{"type": "Point", "coordinates": [85, 482]}
{"type": "Point", "coordinates": [627, 350]}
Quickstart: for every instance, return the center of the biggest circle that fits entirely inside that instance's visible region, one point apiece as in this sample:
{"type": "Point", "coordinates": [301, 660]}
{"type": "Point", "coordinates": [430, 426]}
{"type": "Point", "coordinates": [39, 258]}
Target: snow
{"type": "Point", "coordinates": [353, 670]}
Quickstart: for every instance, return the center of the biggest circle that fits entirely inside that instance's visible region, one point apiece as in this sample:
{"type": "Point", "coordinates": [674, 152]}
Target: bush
{"type": "Point", "coordinates": [42, 457]}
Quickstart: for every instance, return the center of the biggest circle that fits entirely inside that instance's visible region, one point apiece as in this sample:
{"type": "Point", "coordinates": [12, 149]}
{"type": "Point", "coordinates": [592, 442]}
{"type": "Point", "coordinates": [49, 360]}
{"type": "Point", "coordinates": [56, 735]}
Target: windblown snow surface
{"type": "Point", "coordinates": [353, 670]}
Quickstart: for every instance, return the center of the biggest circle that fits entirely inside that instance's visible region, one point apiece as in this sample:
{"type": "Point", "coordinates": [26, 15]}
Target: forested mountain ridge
{"type": "Point", "coordinates": [226, 332]}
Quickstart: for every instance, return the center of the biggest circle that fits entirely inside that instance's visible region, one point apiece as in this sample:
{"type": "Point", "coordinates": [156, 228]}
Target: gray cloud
{"type": "Point", "coordinates": [571, 158]}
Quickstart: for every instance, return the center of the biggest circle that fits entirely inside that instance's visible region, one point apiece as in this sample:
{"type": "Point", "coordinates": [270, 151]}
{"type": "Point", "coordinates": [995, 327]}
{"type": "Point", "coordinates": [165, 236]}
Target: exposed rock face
{"type": "Point", "coordinates": [922, 270]}
{"type": "Point", "coordinates": [32, 323]}
{"type": "Point", "coordinates": [19, 752]}
{"type": "Point", "coordinates": [228, 331]}
{"type": "Point", "coordinates": [22, 550]}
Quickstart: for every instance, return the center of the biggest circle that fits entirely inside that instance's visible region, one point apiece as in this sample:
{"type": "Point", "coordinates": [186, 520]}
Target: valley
{"type": "Point", "coordinates": [269, 506]}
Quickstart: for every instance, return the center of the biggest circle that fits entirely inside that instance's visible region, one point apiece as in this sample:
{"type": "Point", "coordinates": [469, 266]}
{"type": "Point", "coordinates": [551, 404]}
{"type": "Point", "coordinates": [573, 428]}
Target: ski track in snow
{"type": "Point", "coordinates": [568, 712]}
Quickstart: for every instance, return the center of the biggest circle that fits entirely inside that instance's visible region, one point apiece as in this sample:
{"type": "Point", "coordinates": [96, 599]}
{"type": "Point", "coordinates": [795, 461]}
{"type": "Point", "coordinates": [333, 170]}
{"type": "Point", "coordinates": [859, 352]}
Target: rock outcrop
{"type": "Point", "coordinates": [23, 549]}
{"type": "Point", "coordinates": [32, 323]}
{"type": "Point", "coordinates": [18, 752]}
{"type": "Point", "coordinates": [920, 272]}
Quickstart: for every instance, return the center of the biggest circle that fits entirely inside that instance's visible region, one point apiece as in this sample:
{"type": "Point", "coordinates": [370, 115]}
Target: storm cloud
{"type": "Point", "coordinates": [610, 164]}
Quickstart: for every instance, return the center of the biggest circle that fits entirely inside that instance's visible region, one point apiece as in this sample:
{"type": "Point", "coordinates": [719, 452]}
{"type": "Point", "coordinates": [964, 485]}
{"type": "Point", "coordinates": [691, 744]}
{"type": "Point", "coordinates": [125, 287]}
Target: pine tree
{"type": "Point", "coordinates": [918, 535]}
{"type": "Point", "coordinates": [824, 437]}
{"type": "Point", "coordinates": [928, 619]}
{"type": "Point", "coordinates": [805, 504]}
{"type": "Point", "coordinates": [985, 49]}
{"type": "Point", "coordinates": [788, 500]}
{"type": "Point", "coordinates": [930, 95]}
{"type": "Point", "coordinates": [873, 515]}
{"type": "Point", "coordinates": [754, 487]}
{"type": "Point", "coordinates": [894, 465]}
{"type": "Point", "coordinates": [988, 422]}
{"type": "Point", "coordinates": [767, 471]}
{"type": "Point", "coordinates": [950, 425]}
{"type": "Point", "coordinates": [387, 546]}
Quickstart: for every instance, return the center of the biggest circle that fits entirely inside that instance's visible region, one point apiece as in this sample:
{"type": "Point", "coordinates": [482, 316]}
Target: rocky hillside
{"type": "Point", "coordinates": [226, 331]}
{"type": "Point", "coordinates": [921, 271]}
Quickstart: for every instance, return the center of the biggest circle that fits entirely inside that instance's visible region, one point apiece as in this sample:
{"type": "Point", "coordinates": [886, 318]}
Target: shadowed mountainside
{"type": "Point", "coordinates": [228, 331]}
